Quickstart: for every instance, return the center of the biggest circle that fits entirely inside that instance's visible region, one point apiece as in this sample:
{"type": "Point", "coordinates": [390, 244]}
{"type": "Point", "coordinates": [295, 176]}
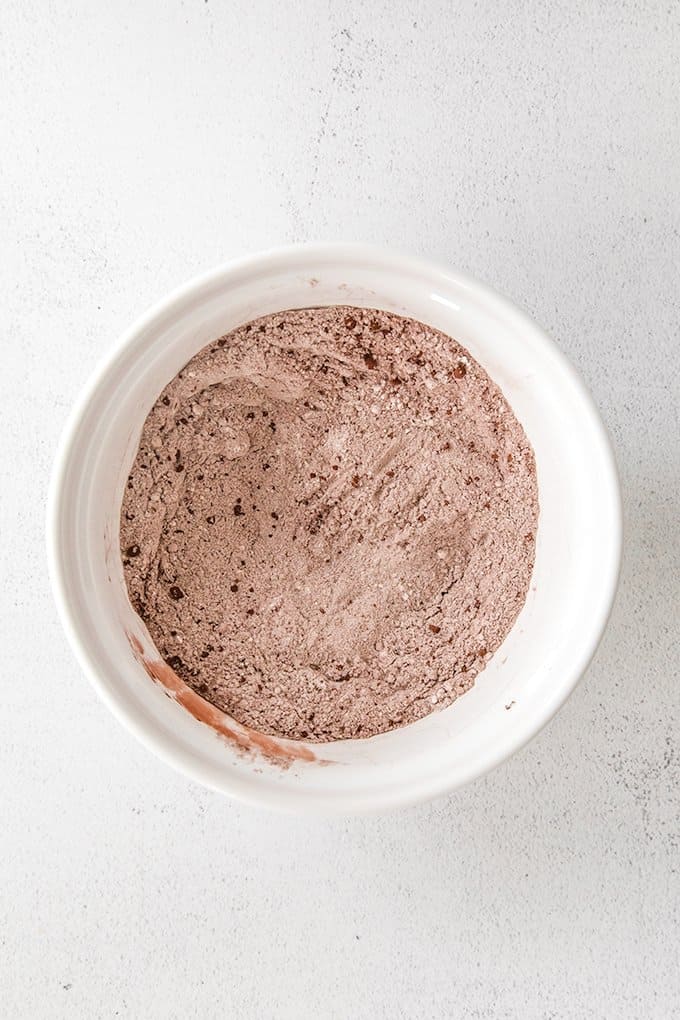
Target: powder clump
{"type": "Point", "coordinates": [329, 526]}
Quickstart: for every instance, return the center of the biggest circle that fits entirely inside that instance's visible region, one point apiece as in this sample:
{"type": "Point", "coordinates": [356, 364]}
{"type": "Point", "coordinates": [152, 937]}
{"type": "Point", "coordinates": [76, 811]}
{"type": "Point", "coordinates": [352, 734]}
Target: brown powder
{"type": "Point", "coordinates": [329, 526]}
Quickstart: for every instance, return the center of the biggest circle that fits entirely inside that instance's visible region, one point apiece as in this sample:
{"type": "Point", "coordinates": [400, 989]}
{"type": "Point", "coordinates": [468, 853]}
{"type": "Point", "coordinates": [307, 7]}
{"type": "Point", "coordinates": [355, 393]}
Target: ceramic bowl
{"type": "Point", "coordinates": [531, 674]}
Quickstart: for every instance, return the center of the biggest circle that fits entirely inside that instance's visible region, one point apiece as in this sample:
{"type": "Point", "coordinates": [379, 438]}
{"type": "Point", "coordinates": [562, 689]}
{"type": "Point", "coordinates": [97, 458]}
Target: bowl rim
{"type": "Point", "coordinates": [163, 745]}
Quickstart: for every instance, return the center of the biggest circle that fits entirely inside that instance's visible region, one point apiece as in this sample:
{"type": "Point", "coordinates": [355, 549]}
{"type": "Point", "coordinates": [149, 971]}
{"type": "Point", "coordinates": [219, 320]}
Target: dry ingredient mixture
{"type": "Point", "coordinates": [329, 526]}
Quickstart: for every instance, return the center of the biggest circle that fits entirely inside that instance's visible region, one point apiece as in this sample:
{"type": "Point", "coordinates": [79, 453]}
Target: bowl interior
{"type": "Point", "coordinates": [577, 543]}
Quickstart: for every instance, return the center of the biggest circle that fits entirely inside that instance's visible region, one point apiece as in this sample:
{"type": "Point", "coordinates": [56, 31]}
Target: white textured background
{"type": "Point", "coordinates": [535, 145]}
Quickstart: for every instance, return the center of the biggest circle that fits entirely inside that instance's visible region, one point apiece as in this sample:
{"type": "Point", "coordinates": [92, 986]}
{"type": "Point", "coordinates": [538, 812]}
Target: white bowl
{"type": "Point", "coordinates": [529, 677]}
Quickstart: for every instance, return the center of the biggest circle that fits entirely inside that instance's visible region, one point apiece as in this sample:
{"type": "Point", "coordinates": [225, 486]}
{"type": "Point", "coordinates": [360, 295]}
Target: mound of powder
{"type": "Point", "coordinates": [329, 526]}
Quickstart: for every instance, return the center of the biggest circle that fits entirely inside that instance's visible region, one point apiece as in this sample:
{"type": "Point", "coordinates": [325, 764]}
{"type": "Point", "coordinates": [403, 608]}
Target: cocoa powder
{"type": "Point", "coordinates": [329, 526]}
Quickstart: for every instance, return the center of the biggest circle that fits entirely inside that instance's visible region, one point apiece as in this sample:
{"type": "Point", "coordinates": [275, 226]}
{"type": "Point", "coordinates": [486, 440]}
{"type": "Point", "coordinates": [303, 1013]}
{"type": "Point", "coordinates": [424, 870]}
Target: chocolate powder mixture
{"type": "Point", "coordinates": [329, 526]}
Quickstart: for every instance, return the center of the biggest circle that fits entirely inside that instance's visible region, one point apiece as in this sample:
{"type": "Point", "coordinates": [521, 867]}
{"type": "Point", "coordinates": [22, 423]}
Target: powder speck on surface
{"type": "Point", "coordinates": [329, 526]}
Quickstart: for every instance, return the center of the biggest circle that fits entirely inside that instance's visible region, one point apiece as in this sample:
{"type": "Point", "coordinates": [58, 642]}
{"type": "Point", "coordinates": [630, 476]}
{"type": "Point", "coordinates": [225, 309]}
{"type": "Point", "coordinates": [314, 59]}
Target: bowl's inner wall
{"type": "Point", "coordinates": [556, 629]}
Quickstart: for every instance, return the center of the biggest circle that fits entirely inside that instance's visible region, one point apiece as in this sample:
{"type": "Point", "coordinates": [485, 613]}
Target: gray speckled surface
{"type": "Point", "coordinates": [535, 145]}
